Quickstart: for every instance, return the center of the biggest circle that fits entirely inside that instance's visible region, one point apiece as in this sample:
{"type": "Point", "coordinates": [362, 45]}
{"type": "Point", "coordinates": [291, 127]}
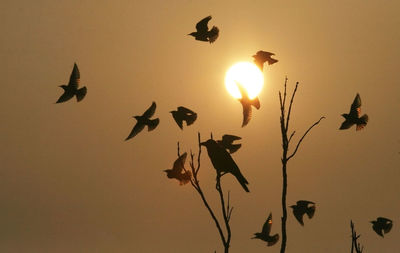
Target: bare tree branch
{"type": "Point", "coordinates": [308, 130]}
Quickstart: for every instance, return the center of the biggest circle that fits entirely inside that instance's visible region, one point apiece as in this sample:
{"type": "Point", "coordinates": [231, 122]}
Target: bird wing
{"type": "Point", "coordinates": [179, 163]}
{"type": "Point", "coordinates": [67, 95]}
{"type": "Point", "coordinates": [259, 63]}
{"type": "Point", "coordinates": [346, 124]}
{"type": "Point", "coordinates": [388, 227]}
{"type": "Point", "coordinates": [298, 214]}
{"type": "Point", "coordinates": [75, 77]}
{"type": "Point", "coordinates": [355, 108]}
{"type": "Point", "coordinates": [267, 225]}
{"type": "Point", "coordinates": [233, 148]}
{"type": "Point", "coordinates": [201, 26]}
{"type": "Point", "coordinates": [273, 239]}
{"type": "Point", "coordinates": [136, 129]}
{"type": "Point", "coordinates": [377, 229]}
{"type": "Point", "coordinates": [152, 124]}
{"type": "Point", "coordinates": [185, 110]}
{"type": "Point", "coordinates": [178, 119]}
{"type": "Point", "coordinates": [150, 111]}
{"type": "Point", "coordinates": [230, 138]}
{"type": "Point", "coordinates": [81, 93]}
{"type": "Point", "coordinates": [213, 34]}
{"type": "Point", "coordinates": [310, 211]}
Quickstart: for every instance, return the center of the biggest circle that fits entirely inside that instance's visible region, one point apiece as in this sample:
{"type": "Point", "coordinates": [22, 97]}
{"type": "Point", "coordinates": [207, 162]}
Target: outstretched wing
{"type": "Point", "coordinates": [152, 124]}
{"type": "Point", "coordinates": [150, 111]}
{"type": "Point", "coordinates": [136, 129]}
{"type": "Point", "coordinates": [75, 77]}
{"type": "Point", "coordinates": [346, 124]}
{"type": "Point", "coordinates": [362, 122]}
{"type": "Point", "coordinates": [67, 95]}
{"type": "Point", "coordinates": [201, 26]}
{"type": "Point", "coordinates": [185, 110]}
{"type": "Point", "coordinates": [267, 225]}
{"type": "Point", "coordinates": [355, 108]}
{"type": "Point", "coordinates": [180, 163]}
{"type": "Point", "coordinates": [230, 138]}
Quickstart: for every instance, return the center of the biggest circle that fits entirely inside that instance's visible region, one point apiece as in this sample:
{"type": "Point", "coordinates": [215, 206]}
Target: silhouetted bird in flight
{"type": "Point", "coordinates": [144, 120]}
{"type": "Point", "coordinates": [184, 114]}
{"type": "Point", "coordinates": [382, 225]}
{"type": "Point", "coordinates": [354, 116]}
{"type": "Point", "coordinates": [303, 207]}
{"type": "Point", "coordinates": [247, 103]}
{"type": "Point", "coordinates": [176, 171]}
{"type": "Point", "coordinates": [227, 143]}
{"type": "Point", "coordinates": [261, 57]}
{"type": "Point", "coordinates": [265, 233]}
{"type": "Point", "coordinates": [223, 162]}
{"type": "Point", "coordinates": [203, 34]}
{"type": "Point", "coordinates": [71, 89]}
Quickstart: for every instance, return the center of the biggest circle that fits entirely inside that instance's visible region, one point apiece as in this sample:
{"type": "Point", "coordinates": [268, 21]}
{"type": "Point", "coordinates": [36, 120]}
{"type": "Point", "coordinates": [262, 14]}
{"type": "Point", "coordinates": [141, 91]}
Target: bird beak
{"type": "Point", "coordinates": [202, 143]}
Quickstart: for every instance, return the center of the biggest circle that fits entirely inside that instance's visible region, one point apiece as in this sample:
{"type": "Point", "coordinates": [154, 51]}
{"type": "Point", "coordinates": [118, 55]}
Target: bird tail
{"type": "Point", "coordinates": [255, 102]}
{"type": "Point", "coordinates": [152, 124]}
{"type": "Point", "coordinates": [213, 34]}
{"type": "Point", "coordinates": [243, 182]}
{"type": "Point", "coordinates": [81, 93]}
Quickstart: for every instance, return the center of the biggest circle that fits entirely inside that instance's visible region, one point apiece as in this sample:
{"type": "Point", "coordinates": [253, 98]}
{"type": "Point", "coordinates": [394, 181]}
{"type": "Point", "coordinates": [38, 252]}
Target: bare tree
{"type": "Point", "coordinates": [354, 237]}
{"type": "Point", "coordinates": [284, 122]}
{"type": "Point", "coordinates": [226, 209]}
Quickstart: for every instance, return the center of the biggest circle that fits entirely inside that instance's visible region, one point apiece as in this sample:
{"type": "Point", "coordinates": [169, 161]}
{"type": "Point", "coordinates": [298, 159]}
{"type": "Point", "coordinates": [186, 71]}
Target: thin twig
{"type": "Point", "coordinates": [290, 106]}
{"type": "Point", "coordinates": [308, 130]}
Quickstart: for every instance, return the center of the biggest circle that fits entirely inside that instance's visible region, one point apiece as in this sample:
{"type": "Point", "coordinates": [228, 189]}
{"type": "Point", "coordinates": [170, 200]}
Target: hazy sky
{"type": "Point", "coordinates": [70, 183]}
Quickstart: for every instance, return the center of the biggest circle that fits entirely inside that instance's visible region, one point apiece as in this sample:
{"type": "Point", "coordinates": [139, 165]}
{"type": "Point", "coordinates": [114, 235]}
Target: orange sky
{"type": "Point", "coordinates": [69, 182]}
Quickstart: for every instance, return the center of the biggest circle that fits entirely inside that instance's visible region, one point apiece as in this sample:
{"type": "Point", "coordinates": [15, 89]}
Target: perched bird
{"type": "Point", "coordinates": [203, 34]}
{"type": "Point", "coordinates": [265, 233]}
{"type": "Point", "coordinates": [176, 171]}
{"type": "Point", "coordinates": [184, 114]}
{"type": "Point", "coordinates": [144, 120]}
{"type": "Point", "coordinates": [382, 225]}
{"type": "Point", "coordinates": [223, 162]}
{"type": "Point", "coordinates": [227, 143]}
{"type": "Point", "coordinates": [303, 207]}
{"type": "Point", "coordinates": [354, 116]}
{"type": "Point", "coordinates": [261, 57]}
{"type": "Point", "coordinates": [71, 89]}
{"type": "Point", "coordinates": [247, 103]}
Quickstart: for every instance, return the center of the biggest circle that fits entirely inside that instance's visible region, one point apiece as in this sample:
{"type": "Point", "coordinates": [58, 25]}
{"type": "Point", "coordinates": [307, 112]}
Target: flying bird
{"type": "Point", "coordinates": [246, 104]}
{"type": "Point", "coordinates": [223, 162]}
{"type": "Point", "coordinates": [202, 33]}
{"type": "Point", "coordinates": [261, 57]}
{"type": "Point", "coordinates": [303, 207]}
{"type": "Point", "coordinates": [144, 120]}
{"type": "Point", "coordinates": [354, 116]}
{"type": "Point", "coordinates": [227, 143]}
{"type": "Point", "coordinates": [382, 225]}
{"type": "Point", "coordinates": [184, 114]}
{"type": "Point", "coordinates": [72, 89]}
{"type": "Point", "coordinates": [265, 233]}
{"type": "Point", "coordinates": [176, 171]}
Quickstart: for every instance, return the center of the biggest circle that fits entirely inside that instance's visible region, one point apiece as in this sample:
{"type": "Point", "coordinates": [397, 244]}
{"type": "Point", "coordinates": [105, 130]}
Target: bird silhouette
{"type": "Point", "coordinates": [223, 162]}
{"type": "Point", "coordinates": [184, 114]}
{"type": "Point", "coordinates": [227, 143]}
{"type": "Point", "coordinates": [247, 103]}
{"type": "Point", "coordinates": [72, 89]}
{"type": "Point", "coordinates": [354, 116]}
{"type": "Point", "coordinates": [382, 225]}
{"type": "Point", "coordinates": [143, 121]}
{"type": "Point", "coordinates": [265, 233]}
{"type": "Point", "coordinates": [303, 207]}
{"type": "Point", "coordinates": [176, 171]}
{"type": "Point", "coordinates": [261, 57]}
{"type": "Point", "coordinates": [202, 33]}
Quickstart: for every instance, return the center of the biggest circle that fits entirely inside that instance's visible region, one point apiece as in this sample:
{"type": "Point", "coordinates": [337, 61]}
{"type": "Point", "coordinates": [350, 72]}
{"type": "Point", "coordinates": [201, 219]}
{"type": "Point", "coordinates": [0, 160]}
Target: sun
{"type": "Point", "coordinates": [248, 75]}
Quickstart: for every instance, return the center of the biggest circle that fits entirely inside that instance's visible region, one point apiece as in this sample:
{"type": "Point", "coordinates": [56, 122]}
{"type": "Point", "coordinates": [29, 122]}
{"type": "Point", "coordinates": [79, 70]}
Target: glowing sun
{"type": "Point", "coordinates": [246, 74]}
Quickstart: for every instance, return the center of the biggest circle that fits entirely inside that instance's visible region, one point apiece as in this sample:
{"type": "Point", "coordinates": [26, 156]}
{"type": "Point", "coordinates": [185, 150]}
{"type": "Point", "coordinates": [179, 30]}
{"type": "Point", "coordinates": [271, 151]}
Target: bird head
{"type": "Point", "coordinates": [208, 143]}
